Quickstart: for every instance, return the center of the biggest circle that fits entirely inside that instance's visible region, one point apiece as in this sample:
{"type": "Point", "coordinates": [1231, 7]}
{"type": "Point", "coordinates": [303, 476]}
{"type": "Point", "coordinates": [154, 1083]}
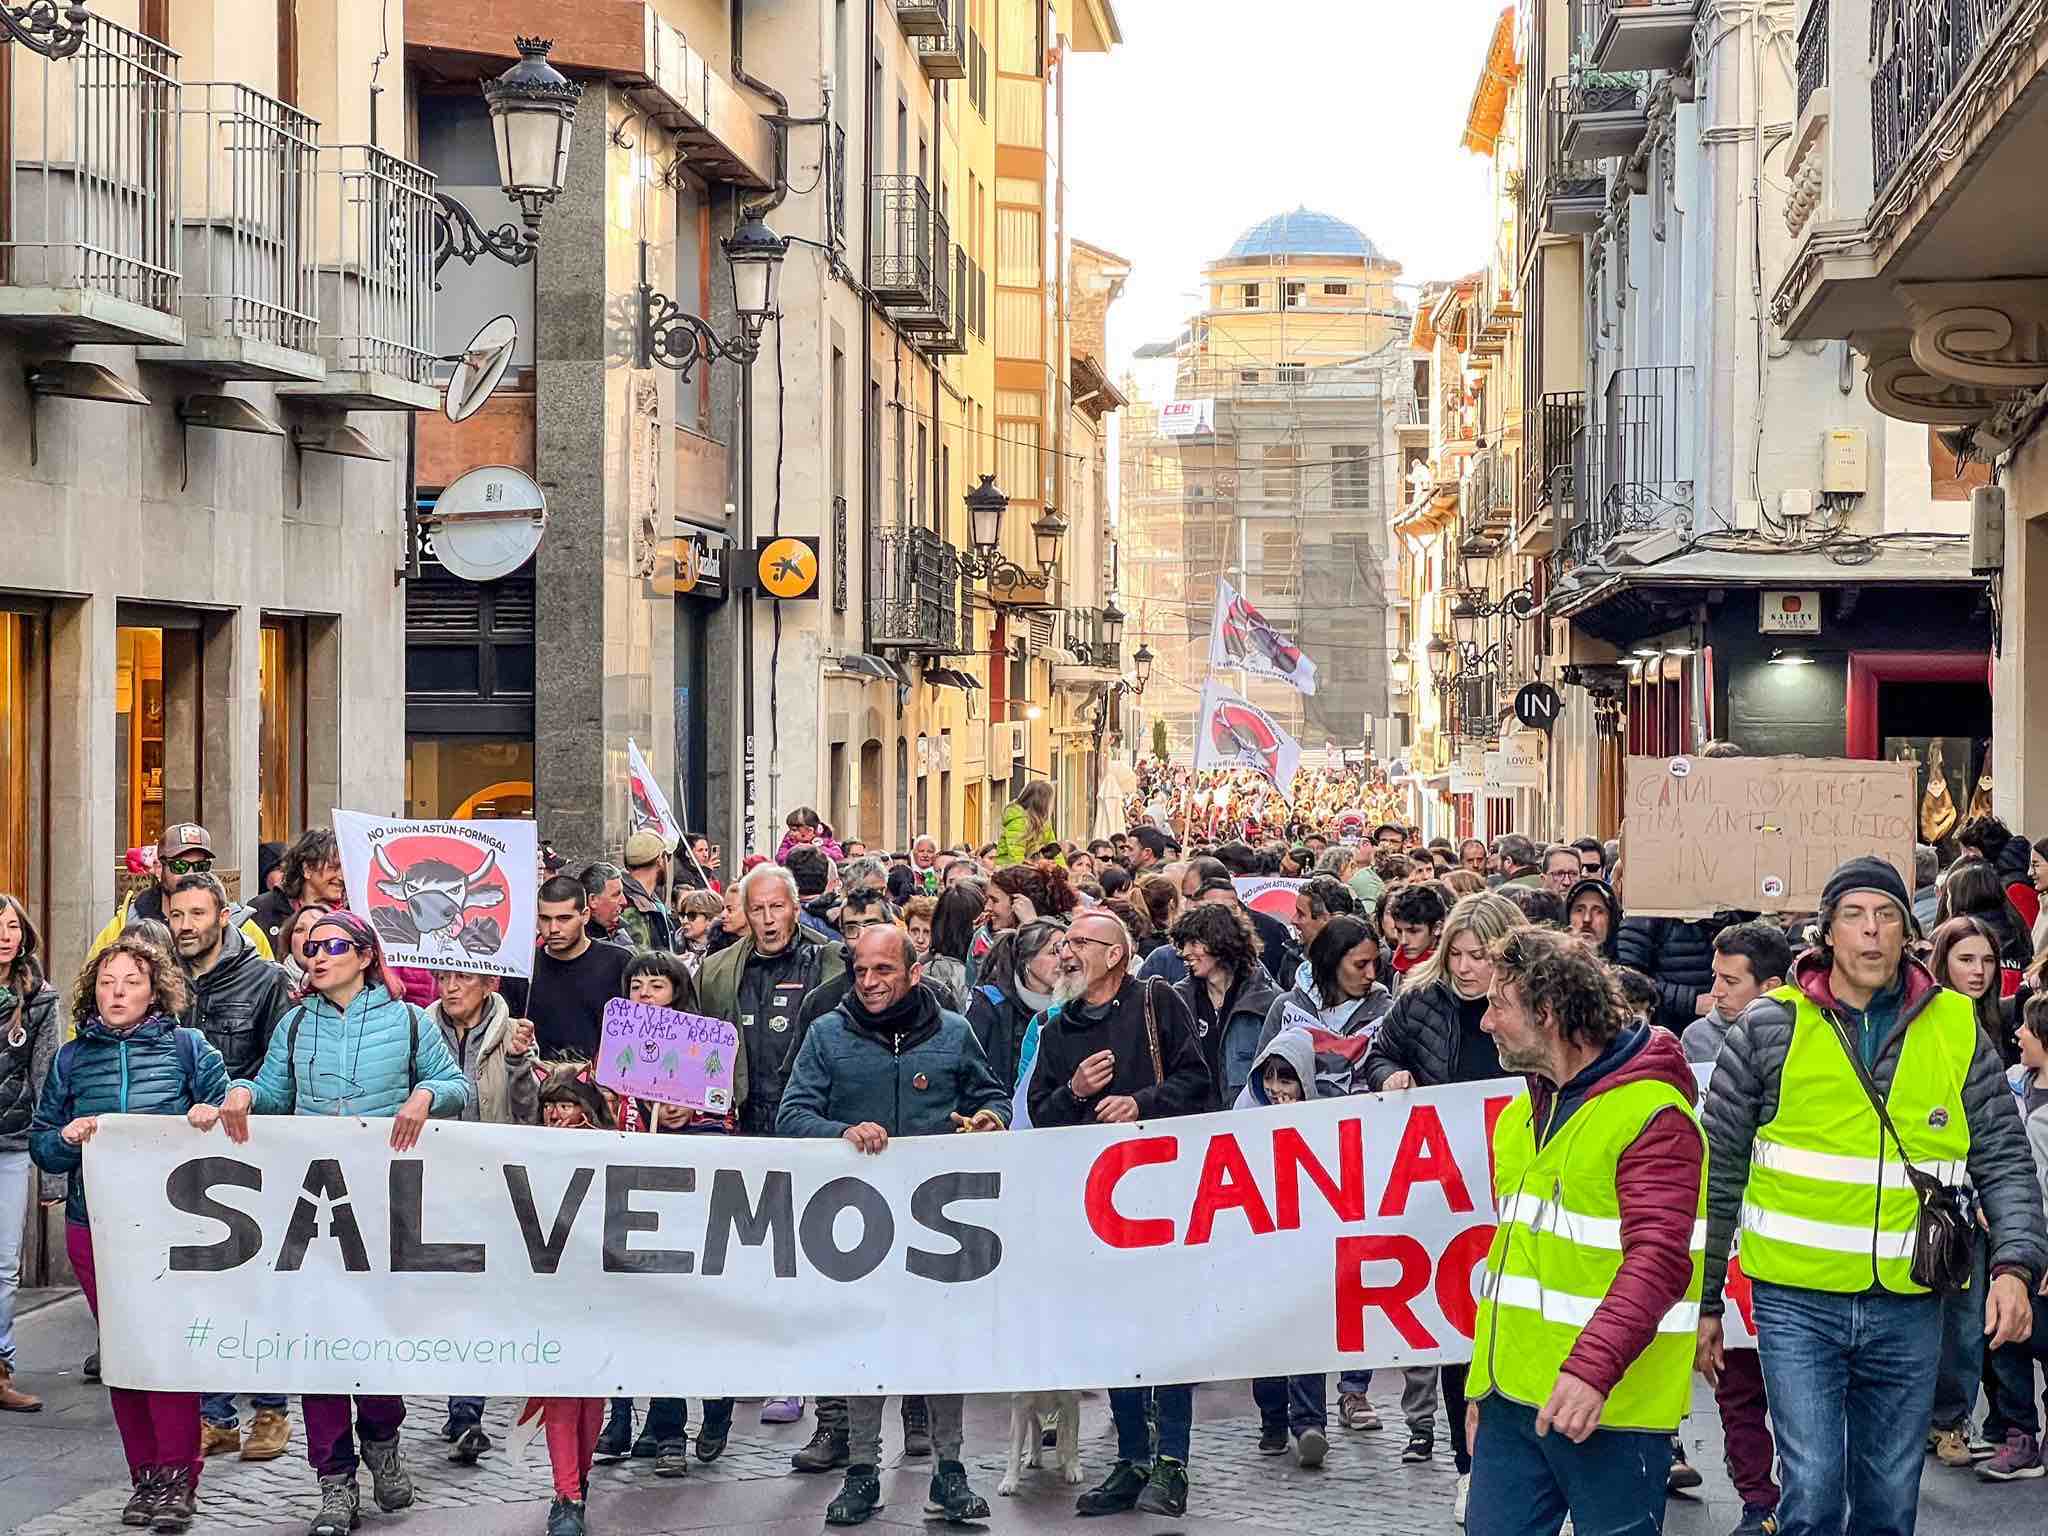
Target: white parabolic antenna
{"type": "Point", "coordinates": [477, 371]}
{"type": "Point", "coordinates": [489, 522]}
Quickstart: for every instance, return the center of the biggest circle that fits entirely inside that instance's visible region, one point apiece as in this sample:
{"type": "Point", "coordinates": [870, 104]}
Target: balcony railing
{"type": "Point", "coordinates": [952, 342]}
{"type": "Point", "coordinates": [1813, 51]}
{"type": "Point", "coordinates": [934, 316]}
{"type": "Point", "coordinates": [1646, 451]}
{"type": "Point", "coordinates": [921, 18]}
{"type": "Point", "coordinates": [1081, 633]}
{"type": "Point", "coordinates": [1922, 50]}
{"type": "Point", "coordinates": [1563, 447]}
{"type": "Point", "coordinates": [376, 216]}
{"type": "Point", "coordinates": [1607, 114]}
{"type": "Point", "coordinates": [1638, 34]}
{"type": "Point", "coordinates": [1571, 193]}
{"type": "Point", "coordinates": [913, 595]}
{"type": "Point", "coordinates": [251, 287]}
{"type": "Point", "coordinates": [89, 209]}
{"type": "Point", "coordinates": [1489, 496]}
{"type": "Point", "coordinates": [900, 263]}
{"type": "Point", "coordinates": [835, 191]}
{"type": "Point", "coordinates": [942, 54]}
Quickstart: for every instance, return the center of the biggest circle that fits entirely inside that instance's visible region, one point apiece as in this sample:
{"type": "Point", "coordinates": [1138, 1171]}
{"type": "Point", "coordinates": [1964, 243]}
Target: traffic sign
{"type": "Point", "coordinates": [787, 567]}
{"type": "Point", "coordinates": [1536, 706]}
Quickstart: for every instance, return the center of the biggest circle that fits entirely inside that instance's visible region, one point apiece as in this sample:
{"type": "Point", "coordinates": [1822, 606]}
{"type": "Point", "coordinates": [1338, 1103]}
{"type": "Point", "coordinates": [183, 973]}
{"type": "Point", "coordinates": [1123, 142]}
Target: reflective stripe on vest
{"type": "Point", "coordinates": [1828, 1206]}
{"type": "Point", "coordinates": [1557, 1250]}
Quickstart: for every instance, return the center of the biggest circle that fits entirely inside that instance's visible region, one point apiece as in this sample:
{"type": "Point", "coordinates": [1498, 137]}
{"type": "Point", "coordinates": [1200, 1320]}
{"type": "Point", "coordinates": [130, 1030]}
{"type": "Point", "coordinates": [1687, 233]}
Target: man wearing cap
{"type": "Point", "coordinates": [184, 849]}
{"type": "Point", "coordinates": [645, 918]}
{"type": "Point", "coordinates": [1800, 1164]}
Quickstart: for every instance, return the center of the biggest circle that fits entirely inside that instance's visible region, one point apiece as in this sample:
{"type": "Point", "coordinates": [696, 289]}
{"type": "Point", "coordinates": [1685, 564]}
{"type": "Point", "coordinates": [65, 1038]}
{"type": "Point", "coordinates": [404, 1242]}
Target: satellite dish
{"type": "Point", "coordinates": [479, 367]}
{"type": "Point", "coordinates": [488, 522]}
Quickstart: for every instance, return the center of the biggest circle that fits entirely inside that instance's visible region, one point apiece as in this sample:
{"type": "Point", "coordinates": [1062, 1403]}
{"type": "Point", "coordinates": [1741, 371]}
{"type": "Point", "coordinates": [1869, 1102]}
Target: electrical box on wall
{"type": "Point", "coordinates": [1845, 461]}
{"type": "Point", "coordinates": [1987, 530]}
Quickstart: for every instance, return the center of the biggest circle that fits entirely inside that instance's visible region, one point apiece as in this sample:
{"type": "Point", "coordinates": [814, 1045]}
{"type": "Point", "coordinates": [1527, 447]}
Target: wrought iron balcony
{"type": "Point", "coordinates": [1922, 50]}
{"type": "Point", "coordinates": [1489, 498]}
{"type": "Point", "coordinates": [934, 317]}
{"type": "Point", "coordinates": [250, 243]}
{"type": "Point", "coordinates": [942, 54]}
{"type": "Point", "coordinates": [1571, 194]}
{"type": "Point", "coordinates": [1081, 633]}
{"type": "Point", "coordinates": [1813, 51]}
{"type": "Point", "coordinates": [1639, 34]}
{"type": "Point", "coordinates": [1606, 115]}
{"type": "Point", "coordinates": [902, 263]}
{"type": "Point", "coordinates": [835, 191]}
{"type": "Point", "coordinates": [921, 18]}
{"type": "Point", "coordinates": [914, 592]}
{"type": "Point", "coordinates": [954, 342]}
{"type": "Point", "coordinates": [89, 209]}
{"type": "Point", "coordinates": [1561, 466]}
{"type": "Point", "coordinates": [376, 219]}
{"type": "Point", "coordinates": [1646, 452]}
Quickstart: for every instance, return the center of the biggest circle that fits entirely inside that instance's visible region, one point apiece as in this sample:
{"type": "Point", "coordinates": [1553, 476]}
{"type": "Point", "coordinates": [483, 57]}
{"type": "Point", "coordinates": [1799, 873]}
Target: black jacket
{"type": "Point", "coordinates": [1677, 954]}
{"type": "Point", "coordinates": [1419, 1036]}
{"type": "Point", "coordinates": [1065, 1042]}
{"type": "Point", "coordinates": [23, 1067]}
{"type": "Point", "coordinates": [1280, 955]}
{"type": "Point", "coordinates": [999, 1026]}
{"type": "Point", "coordinates": [272, 912]}
{"type": "Point", "coordinates": [237, 1004]}
{"type": "Point", "coordinates": [1231, 1043]}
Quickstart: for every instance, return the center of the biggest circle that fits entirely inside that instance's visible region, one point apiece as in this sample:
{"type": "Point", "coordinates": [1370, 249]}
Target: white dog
{"type": "Point", "coordinates": [1028, 1413]}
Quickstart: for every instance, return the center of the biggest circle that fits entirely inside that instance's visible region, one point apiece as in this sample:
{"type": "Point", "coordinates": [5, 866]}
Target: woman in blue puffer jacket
{"type": "Point", "coordinates": [354, 1047]}
{"type": "Point", "coordinates": [130, 1058]}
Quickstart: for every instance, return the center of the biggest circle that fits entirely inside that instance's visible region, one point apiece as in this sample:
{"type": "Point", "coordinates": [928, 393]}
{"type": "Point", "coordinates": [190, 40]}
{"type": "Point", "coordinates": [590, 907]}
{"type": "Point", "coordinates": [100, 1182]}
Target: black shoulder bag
{"type": "Point", "coordinates": [1945, 1235]}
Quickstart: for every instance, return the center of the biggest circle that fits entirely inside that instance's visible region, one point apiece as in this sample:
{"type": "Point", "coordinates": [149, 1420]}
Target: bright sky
{"type": "Point", "coordinates": [1214, 115]}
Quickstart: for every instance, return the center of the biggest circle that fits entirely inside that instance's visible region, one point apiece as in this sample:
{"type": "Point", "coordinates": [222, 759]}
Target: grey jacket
{"type": "Point", "coordinates": [502, 1087]}
{"type": "Point", "coordinates": [1743, 1096]}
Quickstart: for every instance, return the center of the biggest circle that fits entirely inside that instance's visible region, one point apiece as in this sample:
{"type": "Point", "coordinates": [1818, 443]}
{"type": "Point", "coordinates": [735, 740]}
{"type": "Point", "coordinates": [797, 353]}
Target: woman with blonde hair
{"type": "Point", "coordinates": [1027, 825]}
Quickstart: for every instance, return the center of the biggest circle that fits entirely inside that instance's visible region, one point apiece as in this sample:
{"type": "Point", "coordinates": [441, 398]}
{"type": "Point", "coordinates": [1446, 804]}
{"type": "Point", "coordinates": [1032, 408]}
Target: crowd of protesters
{"type": "Point", "coordinates": [1039, 981]}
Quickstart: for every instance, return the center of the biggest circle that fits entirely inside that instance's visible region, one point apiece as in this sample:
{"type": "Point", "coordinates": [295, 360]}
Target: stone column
{"type": "Point", "coordinates": [2019, 764]}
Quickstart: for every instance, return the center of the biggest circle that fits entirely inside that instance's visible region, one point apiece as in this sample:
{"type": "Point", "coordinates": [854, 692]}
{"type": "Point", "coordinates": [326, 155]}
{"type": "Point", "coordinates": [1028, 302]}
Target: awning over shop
{"type": "Point", "coordinates": [874, 668]}
{"type": "Point", "coordinates": [1084, 677]}
{"type": "Point", "coordinates": [951, 677]}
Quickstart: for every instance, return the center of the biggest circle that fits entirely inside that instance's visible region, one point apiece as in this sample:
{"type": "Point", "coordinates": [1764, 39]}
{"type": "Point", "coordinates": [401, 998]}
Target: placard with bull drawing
{"type": "Point", "coordinates": [444, 895]}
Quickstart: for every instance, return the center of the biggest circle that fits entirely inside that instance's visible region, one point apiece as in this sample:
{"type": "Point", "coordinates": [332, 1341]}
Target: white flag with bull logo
{"type": "Point", "coordinates": [445, 895]}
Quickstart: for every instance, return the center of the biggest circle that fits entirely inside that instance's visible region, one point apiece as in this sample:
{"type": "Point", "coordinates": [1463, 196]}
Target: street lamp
{"type": "Point", "coordinates": [533, 109]}
{"type": "Point", "coordinates": [1047, 534]}
{"type": "Point", "coordinates": [1143, 663]}
{"type": "Point", "coordinates": [755, 253]}
{"type": "Point", "coordinates": [986, 505]}
{"type": "Point", "coordinates": [1112, 627]}
{"type": "Point", "coordinates": [1465, 619]}
{"type": "Point", "coordinates": [677, 340]}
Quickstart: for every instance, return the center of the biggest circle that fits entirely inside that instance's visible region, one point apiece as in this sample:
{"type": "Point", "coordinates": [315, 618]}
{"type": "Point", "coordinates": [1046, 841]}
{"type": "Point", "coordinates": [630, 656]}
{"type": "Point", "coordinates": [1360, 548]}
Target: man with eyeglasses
{"type": "Point", "coordinates": [184, 849]}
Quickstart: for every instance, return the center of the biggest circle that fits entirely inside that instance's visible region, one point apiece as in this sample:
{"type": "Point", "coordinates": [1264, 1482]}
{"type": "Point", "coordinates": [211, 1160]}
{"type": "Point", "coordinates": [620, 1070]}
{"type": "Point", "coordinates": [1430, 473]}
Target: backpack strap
{"type": "Point", "coordinates": [291, 1057]}
{"type": "Point", "coordinates": [412, 1048]}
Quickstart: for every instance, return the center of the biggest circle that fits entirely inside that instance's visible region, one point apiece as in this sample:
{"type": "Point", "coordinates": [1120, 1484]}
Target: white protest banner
{"type": "Point", "coordinates": [1234, 733]}
{"type": "Point", "coordinates": [1270, 894]}
{"type": "Point", "coordinates": [1242, 637]}
{"type": "Point", "coordinates": [444, 895]}
{"type": "Point", "coordinates": [650, 805]}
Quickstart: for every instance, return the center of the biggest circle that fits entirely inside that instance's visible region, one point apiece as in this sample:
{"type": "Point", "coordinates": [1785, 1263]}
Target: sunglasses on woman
{"type": "Point", "coordinates": [334, 947]}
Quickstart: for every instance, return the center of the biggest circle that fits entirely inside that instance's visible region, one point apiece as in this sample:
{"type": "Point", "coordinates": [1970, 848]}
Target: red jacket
{"type": "Point", "coordinates": [1658, 1183]}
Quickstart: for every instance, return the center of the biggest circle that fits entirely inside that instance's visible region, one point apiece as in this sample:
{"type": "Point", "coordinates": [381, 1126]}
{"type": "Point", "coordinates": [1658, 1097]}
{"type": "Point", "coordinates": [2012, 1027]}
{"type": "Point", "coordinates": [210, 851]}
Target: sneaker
{"type": "Point", "coordinates": [858, 1499]}
{"type": "Point", "coordinates": [341, 1506]}
{"type": "Point", "coordinates": [176, 1502]}
{"type": "Point", "coordinates": [219, 1439]}
{"type": "Point", "coordinates": [1952, 1448]}
{"type": "Point", "coordinates": [1310, 1447]}
{"type": "Point", "coordinates": [1421, 1445]}
{"type": "Point", "coordinates": [917, 1428]}
{"type": "Point", "coordinates": [1355, 1411]}
{"type": "Point", "coordinates": [1462, 1497]}
{"type": "Point", "coordinates": [951, 1498]}
{"type": "Point", "coordinates": [1272, 1439]}
{"type": "Point", "coordinates": [141, 1506]}
{"type": "Point", "coordinates": [615, 1440]}
{"type": "Point", "coordinates": [782, 1410]}
{"type": "Point", "coordinates": [565, 1517]}
{"type": "Point", "coordinates": [1982, 1448]}
{"type": "Point", "coordinates": [1756, 1522]}
{"type": "Point", "coordinates": [826, 1451]}
{"type": "Point", "coordinates": [1166, 1490]}
{"type": "Point", "coordinates": [268, 1433]}
{"type": "Point", "coordinates": [1115, 1493]}
{"type": "Point", "coordinates": [2019, 1457]}
{"type": "Point", "coordinates": [709, 1446]}
{"type": "Point", "coordinates": [470, 1443]}
{"type": "Point", "coordinates": [673, 1459]}
{"type": "Point", "coordinates": [390, 1482]}
{"type": "Point", "coordinates": [1683, 1474]}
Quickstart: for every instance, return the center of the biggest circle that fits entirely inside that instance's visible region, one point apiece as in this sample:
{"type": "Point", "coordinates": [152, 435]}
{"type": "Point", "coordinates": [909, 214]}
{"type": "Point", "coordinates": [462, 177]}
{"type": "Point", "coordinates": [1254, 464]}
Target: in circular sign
{"type": "Point", "coordinates": [1537, 705]}
{"type": "Point", "coordinates": [787, 567]}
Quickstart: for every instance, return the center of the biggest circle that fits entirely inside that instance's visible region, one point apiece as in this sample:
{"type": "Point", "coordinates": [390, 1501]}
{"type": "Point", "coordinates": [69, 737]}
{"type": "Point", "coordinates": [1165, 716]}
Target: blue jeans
{"type": "Point", "coordinates": [1293, 1403]}
{"type": "Point", "coordinates": [1524, 1484]}
{"type": "Point", "coordinates": [464, 1410]}
{"type": "Point", "coordinates": [1962, 1349]}
{"type": "Point", "coordinates": [218, 1408]}
{"type": "Point", "coordinates": [1851, 1386]}
{"type": "Point", "coordinates": [1134, 1434]}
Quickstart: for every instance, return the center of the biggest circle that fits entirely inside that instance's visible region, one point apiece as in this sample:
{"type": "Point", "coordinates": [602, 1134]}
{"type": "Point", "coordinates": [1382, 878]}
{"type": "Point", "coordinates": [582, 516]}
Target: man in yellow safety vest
{"type": "Point", "coordinates": [1582, 1354]}
{"type": "Point", "coordinates": [1803, 1167]}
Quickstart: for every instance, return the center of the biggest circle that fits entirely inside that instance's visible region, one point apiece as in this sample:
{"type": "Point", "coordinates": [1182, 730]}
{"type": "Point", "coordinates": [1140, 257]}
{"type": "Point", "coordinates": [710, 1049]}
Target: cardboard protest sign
{"type": "Point", "coordinates": [444, 895]}
{"type": "Point", "coordinates": [1270, 894]}
{"type": "Point", "coordinates": [1755, 834]}
{"type": "Point", "coordinates": [649, 1052]}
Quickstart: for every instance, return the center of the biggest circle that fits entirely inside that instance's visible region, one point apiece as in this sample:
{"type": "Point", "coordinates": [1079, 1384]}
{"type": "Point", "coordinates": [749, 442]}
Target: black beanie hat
{"type": "Point", "coordinates": [1867, 874]}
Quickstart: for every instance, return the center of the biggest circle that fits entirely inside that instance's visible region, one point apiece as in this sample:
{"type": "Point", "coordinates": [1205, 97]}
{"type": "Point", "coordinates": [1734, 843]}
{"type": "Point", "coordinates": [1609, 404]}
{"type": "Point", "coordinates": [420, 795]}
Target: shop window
{"type": "Point", "coordinates": [281, 742]}
{"type": "Point", "coordinates": [139, 726]}
{"type": "Point", "coordinates": [467, 777]}
{"type": "Point", "coordinates": [21, 640]}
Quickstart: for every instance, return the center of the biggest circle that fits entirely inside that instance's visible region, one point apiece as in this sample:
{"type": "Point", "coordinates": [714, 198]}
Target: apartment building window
{"type": "Point", "coordinates": [23, 688]}
{"type": "Point", "coordinates": [1294, 373]}
{"type": "Point", "coordinates": [1336, 290]}
{"type": "Point", "coordinates": [1297, 295]}
{"type": "Point", "coordinates": [1202, 543]}
{"type": "Point", "coordinates": [1248, 295]}
{"type": "Point", "coordinates": [1351, 477]}
{"type": "Point", "coordinates": [918, 508]}
{"type": "Point", "coordinates": [1247, 375]}
{"type": "Point", "coordinates": [1277, 481]}
{"type": "Point", "coordinates": [1279, 564]}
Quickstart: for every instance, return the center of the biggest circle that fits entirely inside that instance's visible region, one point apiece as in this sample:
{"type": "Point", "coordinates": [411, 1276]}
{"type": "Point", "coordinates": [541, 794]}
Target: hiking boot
{"type": "Point", "coordinates": [711, 1446]}
{"type": "Point", "coordinates": [470, 1443]}
{"type": "Point", "coordinates": [218, 1439]}
{"type": "Point", "coordinates": [1683, 1474]}
{"type": "Point", "coordinates": [858, 1500]}
{"type": "Point", "coordinates": [141, 1506]}
{"type": "Point", "coordinates": [615, 1440]}
{"type": "Point", "coordinates": [1310, 1447]}
{"type": "Point", "coordinates": [1115, 1493]}
{"type": "Point", "coordinates": [1461, 1498]}
{"type": "Point", "coordinates": [176, 1501]}
{"type": "Point", "coordinates": [1166, 1490]}
{"type": "Point", "coordinates": [673, 1459]}
{"type": "Point", "coordinates": [565, 1517]}
{"type": "Point", "coordinates": [782, 1410]}
{"type": "Point", "coordinates": [827, 1450]}
{"type": "Point", "coordinates": [646, 1448]}
{"type": "Point", "coordinates": [390, 1483]}
{"type": "Point", "coordinates": [1421, 1444]}
{"type": "Point", "coordinates": [917, 1428]}
{"type": "Point", "coordinates": [952, 1498]}
{"type": "Point", "coordinates": [341, 1506]}
{"type": "Point", "coordinates": [1355, 1411]}
{"type": "Point", "coordinates": [268, 1433]}
{"type": "Point", "coordinates": [1756, 1522]}
{"type": "Point", "coordinates": [1272, 1439]}
{"type": "Point", "coordinates": [12, 1398]}
{"type": "Point", "coordinates": [1952, 1447]}
{"type": "Point", "coordinates": [2019, 1457]}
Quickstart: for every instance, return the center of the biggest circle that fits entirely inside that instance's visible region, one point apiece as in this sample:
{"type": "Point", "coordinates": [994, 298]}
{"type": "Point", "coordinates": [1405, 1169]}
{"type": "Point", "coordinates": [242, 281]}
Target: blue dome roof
{"type": "Point", "coordinates": [1304, 232]}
